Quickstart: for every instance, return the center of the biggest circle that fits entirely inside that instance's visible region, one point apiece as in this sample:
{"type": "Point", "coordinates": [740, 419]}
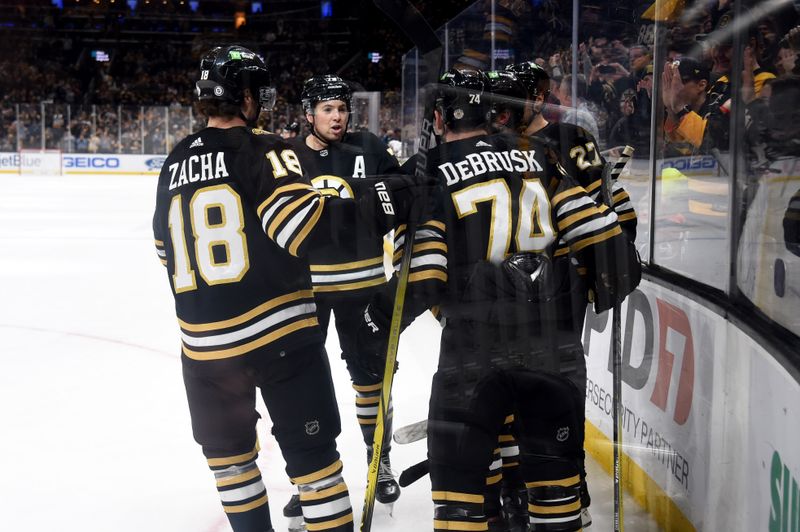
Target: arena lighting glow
{"type": "Point", "coordinates": [59, 4]}
{"type": "Point", "coordinates": [239, 19]}
{"type": "Point", "coordinates": [193, 5]}
{"type": "Point", "coordinates": [100, 56]}
{"type": "Point", "coordinates": [255, 7]}
{"type": "Point", "coordinates": [326, 9]}
{"type": "Point", "coordinates": [132, 5]}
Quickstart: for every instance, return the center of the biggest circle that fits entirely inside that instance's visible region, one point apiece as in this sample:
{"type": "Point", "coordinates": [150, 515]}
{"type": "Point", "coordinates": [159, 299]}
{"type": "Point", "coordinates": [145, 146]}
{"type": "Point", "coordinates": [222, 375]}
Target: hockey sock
{"type": "Point", "coordinates": [555, 505]}
{"type": "Point", "coordinates": [325, 500]}
{"type": "Point", "coordinates": [242, 493]}
{"type": "Point", "coordinates": [367, 399]}
{"type": "Point", "coordinates": [509, 451]}
{"type": "Point", "coordinates": [458, 511]}
{"type": "Point", "coordinates": [493, 484]}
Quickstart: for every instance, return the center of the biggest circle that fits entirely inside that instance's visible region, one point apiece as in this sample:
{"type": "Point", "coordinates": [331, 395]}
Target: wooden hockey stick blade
{"type": "Point", "coordinates": [414, 473]}
{"type": "Point", "coordinates": [411, 433]}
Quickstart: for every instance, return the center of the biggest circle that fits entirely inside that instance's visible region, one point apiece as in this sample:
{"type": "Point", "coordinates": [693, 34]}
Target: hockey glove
{"type": "Point", "coordinates": [397, 200]}
{"type": "Point", "coordinates": [372, 340]}
{"type": "Point", "coordinates": [531, 274]}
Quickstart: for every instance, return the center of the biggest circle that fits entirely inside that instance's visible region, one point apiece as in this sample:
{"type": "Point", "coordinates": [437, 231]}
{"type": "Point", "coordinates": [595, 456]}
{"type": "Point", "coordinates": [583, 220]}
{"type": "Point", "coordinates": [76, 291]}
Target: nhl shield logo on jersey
{"type": "Point", "coordinates": [562, 434]}
{"type": "Point", "coordinates": [331, 185]}
{"type": "Point", "coordinates": [312, 427]}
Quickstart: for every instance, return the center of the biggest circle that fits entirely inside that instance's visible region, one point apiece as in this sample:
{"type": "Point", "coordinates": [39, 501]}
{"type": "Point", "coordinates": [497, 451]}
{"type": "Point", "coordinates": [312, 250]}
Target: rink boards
{"type": "Point", "coordinates": [710, 419]}
{"type": "Point", "coordinates": [85, 163]}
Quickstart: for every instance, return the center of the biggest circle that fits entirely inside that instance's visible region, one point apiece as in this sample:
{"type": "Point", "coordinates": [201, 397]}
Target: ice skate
{"type": "Point", "coordinates": [294, 512]}
{"type": "Point", "coordinates": [515, 510]}
{"type": "Point", "coordinates": [387, 490]}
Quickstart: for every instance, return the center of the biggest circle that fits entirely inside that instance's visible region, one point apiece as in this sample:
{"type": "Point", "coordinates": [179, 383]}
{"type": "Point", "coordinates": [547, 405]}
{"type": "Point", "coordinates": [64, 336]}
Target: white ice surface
{"type": "Point", "coordinates": [95, 426]}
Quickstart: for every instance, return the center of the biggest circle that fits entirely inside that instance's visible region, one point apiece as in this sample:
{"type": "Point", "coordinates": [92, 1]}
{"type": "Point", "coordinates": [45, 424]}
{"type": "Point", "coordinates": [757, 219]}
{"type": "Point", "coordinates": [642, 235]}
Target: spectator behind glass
{"type": "Point", "coordinates": [581, 114]}
{"type": "Point", "coordinates": [695, 117]}
{"type": "Point", "coordinates": [633, 128]}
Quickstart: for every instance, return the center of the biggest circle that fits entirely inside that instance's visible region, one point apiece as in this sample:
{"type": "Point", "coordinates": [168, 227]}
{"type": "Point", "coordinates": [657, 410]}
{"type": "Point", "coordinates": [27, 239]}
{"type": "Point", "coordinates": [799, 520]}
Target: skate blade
{"type": "Point", "coordinates": [586, 518]}
{"type": "Point", "coordinates": [389, 507]}
{"type": "Point", "coordinates": [296, 524]}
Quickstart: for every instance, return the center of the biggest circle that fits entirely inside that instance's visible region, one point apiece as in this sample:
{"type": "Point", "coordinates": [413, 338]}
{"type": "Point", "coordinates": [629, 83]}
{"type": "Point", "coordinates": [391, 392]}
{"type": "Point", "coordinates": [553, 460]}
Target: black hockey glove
{"type": "Point", "coordinates": [531, 274]}
{"type": "Point", "coordinates": [372, 340]}
{"type": "Point", "coordinates": [398, 199]}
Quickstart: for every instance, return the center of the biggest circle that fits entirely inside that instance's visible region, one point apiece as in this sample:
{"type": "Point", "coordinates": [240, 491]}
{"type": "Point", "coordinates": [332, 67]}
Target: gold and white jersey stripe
{"type": "Point", "coordinates": [161, 252]}
{"type": "Point", "coordinates": [250, 330]}
{"type": "Point", "coordinates": [581, 223]}
{"type": "Point", "coordinates": [348, 275]}
{"type": "Point", "coordinates": [428, 255]}
{"type": "Point", "coordinates": [290, 213]}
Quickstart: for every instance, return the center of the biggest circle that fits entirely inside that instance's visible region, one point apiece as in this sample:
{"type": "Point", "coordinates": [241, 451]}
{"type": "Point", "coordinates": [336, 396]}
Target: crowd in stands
{"type": "Point", "coordinates": [50, 57]}
{"type": "Point", "coordinates": [140, 99]}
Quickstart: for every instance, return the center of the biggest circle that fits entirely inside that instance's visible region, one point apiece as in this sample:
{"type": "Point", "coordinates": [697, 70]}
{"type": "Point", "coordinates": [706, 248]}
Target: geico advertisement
{"type": "Point", "coordinates": [103, 163]}
{"type": "Point", "coordinates": [667, 378]}
{"type": "Point", "coordinates": [773, 458]}
{"type": "Point", "coordinates": [699, 165]}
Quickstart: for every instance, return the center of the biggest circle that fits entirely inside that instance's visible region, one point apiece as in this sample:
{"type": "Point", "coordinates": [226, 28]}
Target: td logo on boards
{"type": "Point", "coordinates": [674, 372]}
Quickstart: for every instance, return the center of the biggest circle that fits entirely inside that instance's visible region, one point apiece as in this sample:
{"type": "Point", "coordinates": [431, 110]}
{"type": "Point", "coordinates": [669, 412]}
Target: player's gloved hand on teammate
{"type": "Point", "coordinates": [372, 339]}
{"type": "Point", "coordinates": [530, 273]}
{"type": "Point", "coordinates": [398, 199]}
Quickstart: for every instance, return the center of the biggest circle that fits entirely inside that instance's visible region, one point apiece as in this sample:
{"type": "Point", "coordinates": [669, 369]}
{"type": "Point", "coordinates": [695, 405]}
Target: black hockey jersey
{"type": "Point", "coordinates": [582, 160]}
{"type": "Point", "coordinates": [502, 195]}
{"type": "Point", "coordinates": [233, 218]}
{"type": "Point", "coordinates": [355, 264]}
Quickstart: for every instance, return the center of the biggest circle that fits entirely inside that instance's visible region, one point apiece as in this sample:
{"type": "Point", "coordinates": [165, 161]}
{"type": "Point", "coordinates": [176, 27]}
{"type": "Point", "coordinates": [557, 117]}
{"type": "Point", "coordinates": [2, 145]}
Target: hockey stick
{"type": "Point", "coordinates": [422, 35]}
{"type": "Point", "coordinates": [610, 174]}
{"type": "Point", "coordinates": [414, 473]}
{"type": "Point", "coordinates": [411, 433]}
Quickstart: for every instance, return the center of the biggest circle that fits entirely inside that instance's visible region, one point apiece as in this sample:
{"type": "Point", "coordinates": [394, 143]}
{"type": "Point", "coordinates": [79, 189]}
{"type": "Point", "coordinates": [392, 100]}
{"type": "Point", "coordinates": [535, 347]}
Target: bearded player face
{"type": "Point", "coordinates": [330, 120]}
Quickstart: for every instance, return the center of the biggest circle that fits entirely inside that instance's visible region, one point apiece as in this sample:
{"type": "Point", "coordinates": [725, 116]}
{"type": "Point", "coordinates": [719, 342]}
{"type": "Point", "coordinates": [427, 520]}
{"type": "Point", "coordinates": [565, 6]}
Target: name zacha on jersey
{"type": "Point", "coordinates": [203, 167]}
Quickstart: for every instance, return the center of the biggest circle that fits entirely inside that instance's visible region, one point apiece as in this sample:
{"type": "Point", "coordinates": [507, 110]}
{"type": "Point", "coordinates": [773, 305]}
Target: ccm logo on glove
{"type": "Point", "coordinates": [385, 198]}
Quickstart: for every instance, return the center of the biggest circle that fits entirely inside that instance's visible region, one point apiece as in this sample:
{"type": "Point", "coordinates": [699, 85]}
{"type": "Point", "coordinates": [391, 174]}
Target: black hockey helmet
{"type": "Point", "coordinates": [322, 88]}
{"type": "Point", "coordinates": [294, 127]}
{"type": "Point", "coordinates": [226, 71]}
{"type": "Point", "coordinates": [462, 99]}
{"type": "Point", "coordinates": [535, 79]}
{"type": "Point", "coordinates": [507, 94]}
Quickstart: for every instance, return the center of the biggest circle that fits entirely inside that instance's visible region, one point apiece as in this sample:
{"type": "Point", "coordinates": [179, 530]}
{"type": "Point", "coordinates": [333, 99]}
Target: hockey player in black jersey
{"type": "Point", "coordinates": [345, 274]}
{"type": "Point", "coordinates": [579, 151]}
{"type": "Point", "coordinates": [485, 256]}
{"type": "Point", "coordinates": [233, 220]}
{"type": "Point", "coordinates": [580, 155]}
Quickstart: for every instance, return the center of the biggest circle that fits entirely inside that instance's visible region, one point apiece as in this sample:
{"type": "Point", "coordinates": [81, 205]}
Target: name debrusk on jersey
{"type": "Point", "coordinates": [476, 164]}
{"type": "Point", "coordinates": [509, 198]}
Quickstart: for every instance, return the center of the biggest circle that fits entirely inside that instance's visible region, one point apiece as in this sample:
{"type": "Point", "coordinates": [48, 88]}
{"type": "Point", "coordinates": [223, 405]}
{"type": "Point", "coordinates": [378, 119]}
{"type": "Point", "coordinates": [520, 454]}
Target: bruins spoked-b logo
{"type": "Point", "coordinates": [332, 185]}
{"type": "Point", "coordinates": [312, 427]}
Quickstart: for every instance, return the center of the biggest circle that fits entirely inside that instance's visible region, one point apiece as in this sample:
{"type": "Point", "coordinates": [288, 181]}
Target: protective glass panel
{"type": "Point", "coordinates": [29, 127]}
{"type": "Point", "coordinates": [56, 137]}
{"type": "Point", "coordinates": [131, 129]}
{"type": "Point", "coordinates": [693, 160]}
{"type": "Point", "coordinates": [768, 255]}
{"type": "Point", "coordinates": [154, 123]}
